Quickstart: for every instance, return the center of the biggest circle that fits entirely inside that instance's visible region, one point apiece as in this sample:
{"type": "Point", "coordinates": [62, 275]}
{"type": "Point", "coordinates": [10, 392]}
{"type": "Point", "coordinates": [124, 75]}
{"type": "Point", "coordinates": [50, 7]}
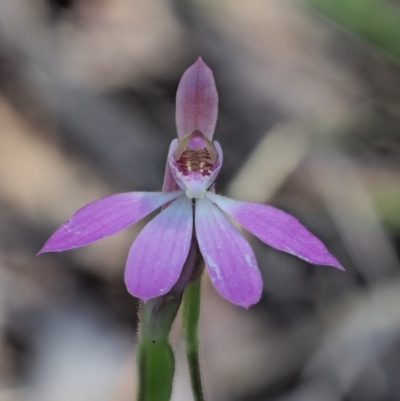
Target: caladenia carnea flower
{"type": "Point", "coordinates": [166, 259]}
{"type": "Point", "coordinates": [159, 252]}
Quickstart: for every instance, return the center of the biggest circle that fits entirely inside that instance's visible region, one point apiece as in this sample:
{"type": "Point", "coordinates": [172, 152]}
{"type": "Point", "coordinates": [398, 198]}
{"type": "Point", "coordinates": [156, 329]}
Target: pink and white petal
{"type": "Point", "coordinates": [157, 256]}
{"type": "Point", "coordinates": [197, 101]}
{"type": "Point", "coordinates": [215, 172]}
{"type": "Point", "coordinates": [277, 229]}
{"type": "Point", "coordinates": [105, 217]}
{"type": "Point", "coordinates": [228, 256]}
{"type": "Point", "coordinates": [169, 183]}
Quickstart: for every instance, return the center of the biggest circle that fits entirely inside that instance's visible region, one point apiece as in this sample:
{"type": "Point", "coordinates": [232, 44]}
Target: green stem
{"type": "Point", "coordinates": [191, 314]}
{"type": "Point", "coordinates": [155, 358]}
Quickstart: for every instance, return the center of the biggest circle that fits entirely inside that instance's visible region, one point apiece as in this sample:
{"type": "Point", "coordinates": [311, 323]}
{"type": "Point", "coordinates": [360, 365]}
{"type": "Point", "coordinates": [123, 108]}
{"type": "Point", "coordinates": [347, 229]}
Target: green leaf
{"type": "Point", "coordinates": [155, 358]}
{"type": "Point", "coordinates": [376, 21]}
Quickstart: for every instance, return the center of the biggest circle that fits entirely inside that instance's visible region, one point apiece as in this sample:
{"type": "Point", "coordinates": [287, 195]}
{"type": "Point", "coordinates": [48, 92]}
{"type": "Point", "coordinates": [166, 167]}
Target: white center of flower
{"type": "Point", "coordinates": [194, 164]}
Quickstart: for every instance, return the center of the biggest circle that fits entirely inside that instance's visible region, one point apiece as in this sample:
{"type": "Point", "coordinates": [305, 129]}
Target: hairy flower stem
{"type": "Point", "coordinates": [155, 358]}
{"type": "Point", "coordinates": [191, 314]}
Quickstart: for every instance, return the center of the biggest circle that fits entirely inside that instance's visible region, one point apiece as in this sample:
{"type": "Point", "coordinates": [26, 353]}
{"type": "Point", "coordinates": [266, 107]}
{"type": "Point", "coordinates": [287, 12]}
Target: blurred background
{"type": "Point", "coordinates": [309, 122]}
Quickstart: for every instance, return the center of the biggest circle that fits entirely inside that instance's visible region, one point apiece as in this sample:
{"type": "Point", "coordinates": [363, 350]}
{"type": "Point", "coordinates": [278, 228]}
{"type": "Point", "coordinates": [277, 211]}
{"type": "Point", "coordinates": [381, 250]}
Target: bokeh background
{"type": "Point", "coordinates": [309, 122]}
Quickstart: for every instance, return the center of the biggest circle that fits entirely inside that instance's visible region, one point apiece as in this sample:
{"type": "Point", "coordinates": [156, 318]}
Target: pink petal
{"type": "Point", "coordinates": [105, 217]}
{"type": "Point", "coordinates": [229, 257]}
{"type": "Point", "coordinates": [277, 229]}
{"type": "Point", "coordinates": [197, 101]}
{"type": "Point", "coordinates": [156, 257]}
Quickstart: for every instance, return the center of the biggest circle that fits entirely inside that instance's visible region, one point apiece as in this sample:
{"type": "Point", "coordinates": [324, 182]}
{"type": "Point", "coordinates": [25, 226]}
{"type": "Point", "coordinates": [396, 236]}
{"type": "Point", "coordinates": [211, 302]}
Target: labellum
{"type": "Point", "coordinates": [195, 162]}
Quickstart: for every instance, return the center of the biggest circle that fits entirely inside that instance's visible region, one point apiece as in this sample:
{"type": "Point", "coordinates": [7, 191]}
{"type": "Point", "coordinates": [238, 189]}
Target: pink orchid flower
{"type": "Point", "coordinates": [157, 255]}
